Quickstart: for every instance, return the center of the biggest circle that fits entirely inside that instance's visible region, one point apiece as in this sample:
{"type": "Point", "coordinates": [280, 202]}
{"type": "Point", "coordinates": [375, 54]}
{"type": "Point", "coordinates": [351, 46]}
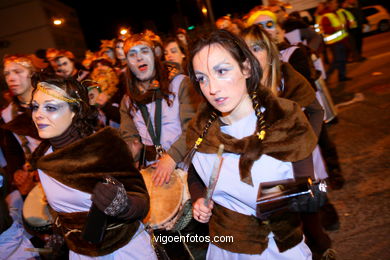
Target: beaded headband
{"type": "Point", "coordinates": [23, 61]}
{"type": "Point", "coordinates": [61, 94]}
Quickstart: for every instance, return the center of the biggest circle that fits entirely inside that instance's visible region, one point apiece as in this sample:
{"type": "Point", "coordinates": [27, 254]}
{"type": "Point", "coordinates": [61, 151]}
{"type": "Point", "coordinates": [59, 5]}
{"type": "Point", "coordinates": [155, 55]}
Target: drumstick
{"type": "Point", "coordinates": [39, 250]}
{"type": "Point", "coordinates": [214, 175]}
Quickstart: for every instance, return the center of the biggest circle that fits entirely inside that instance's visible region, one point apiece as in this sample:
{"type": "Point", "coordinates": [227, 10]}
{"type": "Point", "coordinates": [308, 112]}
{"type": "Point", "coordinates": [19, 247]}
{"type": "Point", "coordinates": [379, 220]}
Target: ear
{"type": "Point", "coordinates": [247, 69]}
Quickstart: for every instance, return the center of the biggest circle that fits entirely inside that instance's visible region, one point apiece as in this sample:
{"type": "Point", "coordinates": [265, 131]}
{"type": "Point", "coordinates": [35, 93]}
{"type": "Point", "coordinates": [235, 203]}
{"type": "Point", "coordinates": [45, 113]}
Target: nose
{"type": "Point", "coordinates": [10, 77]}
{"type": "Point", "coordinates": [139, 56]}
{"type": "Point", "coordinates": [213, 86]}
{"type": "Point", "coordinates": [37, 114]}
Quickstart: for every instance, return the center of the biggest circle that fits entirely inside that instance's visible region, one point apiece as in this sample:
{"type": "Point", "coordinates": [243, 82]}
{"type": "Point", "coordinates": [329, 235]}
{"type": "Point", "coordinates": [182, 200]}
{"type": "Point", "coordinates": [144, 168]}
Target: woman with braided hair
{"type": "Point", "coordinates": [262, 134]}
{"type": "Point", "coordinates": [80, 169]}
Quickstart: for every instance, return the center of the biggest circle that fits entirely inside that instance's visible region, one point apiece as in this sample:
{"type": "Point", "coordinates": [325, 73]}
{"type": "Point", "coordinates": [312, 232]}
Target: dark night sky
{"type": "Point", "coordinates": [102, 21]}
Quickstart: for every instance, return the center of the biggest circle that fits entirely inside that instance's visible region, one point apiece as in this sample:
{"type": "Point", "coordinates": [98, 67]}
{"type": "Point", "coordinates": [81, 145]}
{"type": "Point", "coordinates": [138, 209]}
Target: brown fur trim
{"type": "Point", "coordinates": [82, 164]}
{"type": "Point", "coordinates": [296, 87]}
{"type": "Point", "coordinates": [289, 136]}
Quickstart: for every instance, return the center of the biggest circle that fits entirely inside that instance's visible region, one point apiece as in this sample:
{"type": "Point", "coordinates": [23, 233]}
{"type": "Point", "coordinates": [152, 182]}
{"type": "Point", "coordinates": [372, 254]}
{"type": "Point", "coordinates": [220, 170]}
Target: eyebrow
{"type": "Point", "coordinates": [216, 67]}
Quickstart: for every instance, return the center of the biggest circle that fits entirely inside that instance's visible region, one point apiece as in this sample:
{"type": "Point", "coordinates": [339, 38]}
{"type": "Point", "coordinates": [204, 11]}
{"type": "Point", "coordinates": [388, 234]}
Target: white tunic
{"type": "Point", "coordinates": [232, 193]}
{"type": "Point", "coordinates": [63, 198]}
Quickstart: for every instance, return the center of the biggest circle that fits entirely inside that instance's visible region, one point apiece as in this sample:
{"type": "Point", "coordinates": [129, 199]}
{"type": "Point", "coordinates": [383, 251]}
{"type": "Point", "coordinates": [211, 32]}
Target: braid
{"type": "Point", "coordinates": [260, 125]}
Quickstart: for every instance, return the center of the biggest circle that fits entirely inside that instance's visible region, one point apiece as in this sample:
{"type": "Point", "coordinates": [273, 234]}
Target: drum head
{"type": "Point", "coordinates": [165, 200]}
{"type": "Point", "coordinates": [35, 210]}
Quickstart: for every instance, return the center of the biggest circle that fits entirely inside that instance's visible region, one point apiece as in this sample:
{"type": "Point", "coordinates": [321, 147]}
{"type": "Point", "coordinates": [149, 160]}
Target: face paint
{"type": "Point", "coordinates": [267, 23]}
{"type": "Point", "coordinates": [18, 79]}
{"type": "Point", "coordinates": [51, 116]}
{"type": "Point", "coordinates": [65, 67]}
{"type": "Point", "coordinates": [258, 52]}
{"type": "Point", "coordinates": [119, 52]}
{"type": "Point", "coordinates": [220, 78]}
{"type": "Point", "coordinates": [141, 61]}
{"type": "Point", "coordinates": [173, 53]}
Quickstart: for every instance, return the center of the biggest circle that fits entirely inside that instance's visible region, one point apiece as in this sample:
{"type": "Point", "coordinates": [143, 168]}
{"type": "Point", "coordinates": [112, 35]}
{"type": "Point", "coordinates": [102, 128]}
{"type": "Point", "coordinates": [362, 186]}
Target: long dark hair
{"type": "Point", "coordinates": [85, 118]}
{"type": "Point", "coordinates": [237, 49]}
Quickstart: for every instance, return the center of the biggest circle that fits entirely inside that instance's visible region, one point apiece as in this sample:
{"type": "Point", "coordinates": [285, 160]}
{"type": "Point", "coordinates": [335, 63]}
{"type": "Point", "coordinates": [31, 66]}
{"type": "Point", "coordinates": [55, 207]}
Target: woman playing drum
{"type": "Point", "coordinates": [262, 134]}
{"type": "Point", "coordinates": [73, 162]}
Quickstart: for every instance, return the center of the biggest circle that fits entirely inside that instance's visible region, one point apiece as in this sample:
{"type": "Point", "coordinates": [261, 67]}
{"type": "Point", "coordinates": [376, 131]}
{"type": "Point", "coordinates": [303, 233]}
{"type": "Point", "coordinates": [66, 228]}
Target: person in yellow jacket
{"type": "Point", "coordinates": [335, 34]}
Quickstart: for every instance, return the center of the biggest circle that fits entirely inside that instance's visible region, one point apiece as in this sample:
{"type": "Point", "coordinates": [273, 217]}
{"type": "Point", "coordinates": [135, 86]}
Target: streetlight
{"type": "Point", "coordinates": [123, 31]}
{"type": "Point", "coordinates": [58, 21]}
{"type": "Point", "coordinates": [204, 11]}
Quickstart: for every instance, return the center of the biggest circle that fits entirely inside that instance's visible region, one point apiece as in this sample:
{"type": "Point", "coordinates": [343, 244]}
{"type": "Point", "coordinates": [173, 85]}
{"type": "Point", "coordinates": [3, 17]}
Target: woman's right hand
{"type": "Point", "coordinates": [201, 212]}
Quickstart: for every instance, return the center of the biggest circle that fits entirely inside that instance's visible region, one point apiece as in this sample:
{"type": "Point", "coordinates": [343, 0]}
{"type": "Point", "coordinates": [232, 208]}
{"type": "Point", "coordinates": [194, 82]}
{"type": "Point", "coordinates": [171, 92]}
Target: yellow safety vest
{"type": "Point", "coordinates": [342, 13]}
{"type": "Point", "coordinates": [336, 22]}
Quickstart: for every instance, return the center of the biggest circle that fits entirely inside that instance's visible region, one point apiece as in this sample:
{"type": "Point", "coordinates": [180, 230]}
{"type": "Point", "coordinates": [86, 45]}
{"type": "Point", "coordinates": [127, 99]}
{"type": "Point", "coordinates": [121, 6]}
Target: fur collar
{"type": "Point", "coordinates": [296, 87]}
{"type": "Point", "coordinates": [82, 164]}
{"type": "Point", "coordinates": [289, 136]}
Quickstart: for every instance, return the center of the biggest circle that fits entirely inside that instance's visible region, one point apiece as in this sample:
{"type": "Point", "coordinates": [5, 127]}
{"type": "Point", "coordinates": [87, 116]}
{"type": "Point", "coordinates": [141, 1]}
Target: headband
{"type": "Point", "coordinates": [61, 94]}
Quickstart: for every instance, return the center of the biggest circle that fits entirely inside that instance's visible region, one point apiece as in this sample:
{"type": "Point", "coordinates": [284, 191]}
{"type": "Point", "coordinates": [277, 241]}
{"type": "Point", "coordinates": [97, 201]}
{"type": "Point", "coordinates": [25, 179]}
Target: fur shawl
{"type": "Point", "coordinates": [82, 164]}
{"type": "Point", "coordinates": [289, 136]}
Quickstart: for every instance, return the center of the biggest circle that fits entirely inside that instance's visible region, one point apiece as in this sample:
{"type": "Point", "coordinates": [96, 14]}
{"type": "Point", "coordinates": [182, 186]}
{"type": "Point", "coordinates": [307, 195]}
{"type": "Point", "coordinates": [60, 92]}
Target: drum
{"type": "Point", "coordinates": [325, 99]}
{"type": "Point", "coordinates": [36, 214]}
{"type": "Point", "coordinates": [170, 204]}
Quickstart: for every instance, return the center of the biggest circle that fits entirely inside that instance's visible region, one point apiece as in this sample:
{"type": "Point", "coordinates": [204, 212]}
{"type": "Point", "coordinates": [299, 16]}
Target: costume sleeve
{"type": "Point", "coordinates": [195, 184]}
{"type": "Point", "coordinates": [127, 128]}
{"type": "Point", "coordinates": [304, 168]}
{"type": "Point", "coordinates": [297, 88]}
{"type": "Point", "coordinates": [189, 100]}
{"type": "Point", "coordinates": [300, 62]}
{"type": "Point", "coordinates": [315, 114]}
{"type": "Point", "coordinates": [313, 38]}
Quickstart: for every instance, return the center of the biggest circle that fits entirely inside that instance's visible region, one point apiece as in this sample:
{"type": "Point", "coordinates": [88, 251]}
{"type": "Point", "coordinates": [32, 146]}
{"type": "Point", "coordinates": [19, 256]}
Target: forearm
{"type": "Point", "coordinates": [137, 208]}
{"type": "Point", "coordinates": [189, 100]}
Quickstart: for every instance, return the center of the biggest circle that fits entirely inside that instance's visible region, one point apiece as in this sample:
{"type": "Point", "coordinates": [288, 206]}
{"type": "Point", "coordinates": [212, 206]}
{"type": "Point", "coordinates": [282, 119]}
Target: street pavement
{"type": "Point", "coordinates": [363, 142]}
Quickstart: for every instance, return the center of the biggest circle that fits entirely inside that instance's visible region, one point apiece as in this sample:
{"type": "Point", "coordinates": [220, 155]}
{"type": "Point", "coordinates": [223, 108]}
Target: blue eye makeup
{"type": "Point", "coordinates": [269, 24]}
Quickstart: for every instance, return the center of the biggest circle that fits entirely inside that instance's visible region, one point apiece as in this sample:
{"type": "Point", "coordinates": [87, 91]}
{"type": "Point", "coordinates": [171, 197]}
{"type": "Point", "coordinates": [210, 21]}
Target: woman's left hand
{"type": "Point", "coordinates": [110, 198]}
{"type": "Point", "coordinates": [164, 168]}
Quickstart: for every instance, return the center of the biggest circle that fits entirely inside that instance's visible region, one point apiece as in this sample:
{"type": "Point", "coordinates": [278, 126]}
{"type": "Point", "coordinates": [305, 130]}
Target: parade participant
{"type": "Point", "coordinates": [174, 51]}
{"type": "Point", "coordinates": [64, 65]}
{"type": "Point", "coordinates": [156, 109]}
{"type": "Point", "coordinates": [120, 55]}
{"type": "Point", "coordinates": [18, 137]}
{"type": "Point", "coordinates": [255, 127]}
{"type": "Point", "coordinates": [182, 36]}
{"type": "Point", "coordinates": [291, 85]}
{"type": "Point", "coordinates": [105, 88]}
{"type": "Point", "coordinates": [336, 38]}
{"type": "Point", "coordinates": [232, 25]}
{"type": "Point", "coordinates": [73, 162]}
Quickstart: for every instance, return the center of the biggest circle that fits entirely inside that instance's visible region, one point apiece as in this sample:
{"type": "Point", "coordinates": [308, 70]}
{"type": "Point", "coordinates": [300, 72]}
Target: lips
{"type": "Point", "coordinates": [143, 67]}
{"type": "Point", "coordinates": [42, 126]}
{"type": "Point", "coordinates": [220, 100]}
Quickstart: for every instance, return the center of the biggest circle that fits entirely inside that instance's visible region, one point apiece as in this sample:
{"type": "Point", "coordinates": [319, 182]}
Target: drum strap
{"type": "Point", "coordinates": [155, 134]}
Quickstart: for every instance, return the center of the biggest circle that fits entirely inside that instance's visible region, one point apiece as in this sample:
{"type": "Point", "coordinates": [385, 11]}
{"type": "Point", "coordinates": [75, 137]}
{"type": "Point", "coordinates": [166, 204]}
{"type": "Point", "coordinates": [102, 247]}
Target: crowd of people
{"type": "Point", "coordinates": [81, 134]}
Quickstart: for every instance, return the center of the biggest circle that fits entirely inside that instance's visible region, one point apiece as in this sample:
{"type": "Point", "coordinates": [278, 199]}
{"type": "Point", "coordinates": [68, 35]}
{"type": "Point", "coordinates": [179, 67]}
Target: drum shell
{"type": "Point", "coordinates": [325, 99]}
{"type": "Point", "coordinates": [36, 215]}
{"type": "Point", "coordinates": [170, 206]}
